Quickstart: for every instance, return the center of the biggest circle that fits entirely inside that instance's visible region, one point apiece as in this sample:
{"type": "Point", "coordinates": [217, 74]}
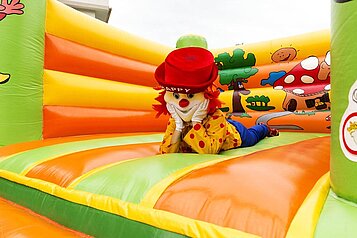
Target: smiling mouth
{"type": "Point", "coordinates": [285, 59]}
{"type": "Point", "coordinates": [184, 111]}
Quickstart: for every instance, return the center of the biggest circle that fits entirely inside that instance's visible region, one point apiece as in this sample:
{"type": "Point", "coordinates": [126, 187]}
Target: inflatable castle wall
{"type": "Point", "coordinates": [80, 138]}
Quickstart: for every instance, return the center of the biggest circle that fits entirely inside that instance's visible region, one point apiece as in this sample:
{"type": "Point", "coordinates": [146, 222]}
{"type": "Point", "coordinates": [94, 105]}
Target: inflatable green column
{"type": "Point", "coordinates": [344, 99]}
{"type": "Point", "coordinates": [22, 27]}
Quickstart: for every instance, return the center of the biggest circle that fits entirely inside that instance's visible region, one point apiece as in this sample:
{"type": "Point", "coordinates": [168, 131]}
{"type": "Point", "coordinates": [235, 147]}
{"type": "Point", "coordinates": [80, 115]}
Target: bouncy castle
{"type": "Point", "coordinates": [79, 138]}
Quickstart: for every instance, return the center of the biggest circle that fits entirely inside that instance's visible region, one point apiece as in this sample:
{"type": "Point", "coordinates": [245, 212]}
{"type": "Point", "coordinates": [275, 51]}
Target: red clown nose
{"type": "Point", "coordinates": [184, 103]}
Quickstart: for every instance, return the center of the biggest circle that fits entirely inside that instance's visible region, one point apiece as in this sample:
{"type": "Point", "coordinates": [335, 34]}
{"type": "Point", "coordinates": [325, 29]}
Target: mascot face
{"type": "Point", "coordinates": [185, 104]}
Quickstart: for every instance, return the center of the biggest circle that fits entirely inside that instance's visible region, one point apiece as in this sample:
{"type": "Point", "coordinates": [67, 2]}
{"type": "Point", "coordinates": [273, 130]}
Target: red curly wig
{"type": "Point", "coordinates": [210, 93]}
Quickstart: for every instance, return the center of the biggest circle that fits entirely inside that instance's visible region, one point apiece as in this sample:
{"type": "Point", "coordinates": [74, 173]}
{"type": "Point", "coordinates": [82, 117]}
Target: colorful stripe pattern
{"type": "Point", "coordinates": [102, 78]}
{"type": "Point", "coordinates": [70, 57]}
{"type": "Point", "coordinates": [116, 184]}
{"type": "Point", "coordinates": [100, 70]}
{"type": "Point", "coordinates": [127, 169]}
{"type": "Point", "coordinates": [117, 70]}
{"type": "Point", "coordinates": [226, 193]}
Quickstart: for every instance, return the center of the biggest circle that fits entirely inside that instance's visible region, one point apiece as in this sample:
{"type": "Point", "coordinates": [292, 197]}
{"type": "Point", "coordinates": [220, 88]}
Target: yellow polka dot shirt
{"type": "Point", "coordinates": [211, 136]}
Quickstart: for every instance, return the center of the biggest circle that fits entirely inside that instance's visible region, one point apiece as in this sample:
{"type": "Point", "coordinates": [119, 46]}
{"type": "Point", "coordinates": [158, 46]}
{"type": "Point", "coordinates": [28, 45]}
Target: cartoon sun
{"type": "Point", "coordinates": [284, 54]}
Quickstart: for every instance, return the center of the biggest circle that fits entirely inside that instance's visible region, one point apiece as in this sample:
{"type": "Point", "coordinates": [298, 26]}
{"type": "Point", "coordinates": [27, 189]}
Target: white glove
{"type": "Point", "coordinates": [201, 112]}
{"type": "Point", "coordinates": [175, 116]}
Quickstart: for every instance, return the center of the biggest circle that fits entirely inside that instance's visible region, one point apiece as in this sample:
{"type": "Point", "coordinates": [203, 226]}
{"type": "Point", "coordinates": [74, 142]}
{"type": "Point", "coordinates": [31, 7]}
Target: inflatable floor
{"type": "Point", "coordinates": [80, 138]}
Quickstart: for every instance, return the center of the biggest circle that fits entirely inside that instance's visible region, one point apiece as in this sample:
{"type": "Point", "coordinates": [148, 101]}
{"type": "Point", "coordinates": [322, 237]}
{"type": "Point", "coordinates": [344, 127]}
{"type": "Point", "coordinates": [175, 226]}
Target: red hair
{"type": "Point", "coordinates": [210, 93]}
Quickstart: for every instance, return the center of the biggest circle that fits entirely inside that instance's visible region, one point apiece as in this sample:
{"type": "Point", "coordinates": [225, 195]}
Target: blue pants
{"type": "Point", "coordinates": [252, 135]}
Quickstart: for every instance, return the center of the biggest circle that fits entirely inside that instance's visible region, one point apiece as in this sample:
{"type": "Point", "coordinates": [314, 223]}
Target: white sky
{"type": "Point", "coordinates": [223, 22]}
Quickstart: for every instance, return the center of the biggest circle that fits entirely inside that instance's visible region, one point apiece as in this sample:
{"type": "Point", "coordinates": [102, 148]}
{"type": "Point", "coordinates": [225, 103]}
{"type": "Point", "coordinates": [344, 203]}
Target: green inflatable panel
{"type": "Point", "coordinates": [344, 99]}
{"type": "Point", "coordinates": [338, 218]}
{"type": "Point", "coordinates": [22, 38]}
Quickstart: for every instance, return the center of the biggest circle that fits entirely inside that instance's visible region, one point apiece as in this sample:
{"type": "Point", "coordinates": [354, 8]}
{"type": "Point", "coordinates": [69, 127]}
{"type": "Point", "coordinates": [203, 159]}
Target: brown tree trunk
{"type": "Point", "coordinates": [237, 104]}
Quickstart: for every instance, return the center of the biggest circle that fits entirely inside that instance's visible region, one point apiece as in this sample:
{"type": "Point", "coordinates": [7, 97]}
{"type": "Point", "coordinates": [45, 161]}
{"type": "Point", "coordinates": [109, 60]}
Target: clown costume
{"type": "Point", "coordinates": [196, 123]}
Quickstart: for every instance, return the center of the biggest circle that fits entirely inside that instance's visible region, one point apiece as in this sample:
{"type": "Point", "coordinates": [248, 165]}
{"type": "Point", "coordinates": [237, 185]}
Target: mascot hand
{"type": "Point", "coordinates": [15, 7]}
{"type": "Point", "coordinates": [175, 116]}
{"type": "Point", "coordinates": [201, 112]}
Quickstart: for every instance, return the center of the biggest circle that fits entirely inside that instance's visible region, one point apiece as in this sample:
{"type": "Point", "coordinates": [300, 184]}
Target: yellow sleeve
{"type": "Point", "coordinates": [166, 146]}
{"type": "Point", "coordinates": [209, 137]}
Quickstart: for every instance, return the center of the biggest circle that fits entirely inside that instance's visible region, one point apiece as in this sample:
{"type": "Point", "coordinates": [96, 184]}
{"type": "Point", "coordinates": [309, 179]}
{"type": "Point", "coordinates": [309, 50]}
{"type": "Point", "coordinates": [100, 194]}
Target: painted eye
{"type": "Point", "coordinates": [190, 95]}
{"type": "Point", "coordinates": [176, 95]}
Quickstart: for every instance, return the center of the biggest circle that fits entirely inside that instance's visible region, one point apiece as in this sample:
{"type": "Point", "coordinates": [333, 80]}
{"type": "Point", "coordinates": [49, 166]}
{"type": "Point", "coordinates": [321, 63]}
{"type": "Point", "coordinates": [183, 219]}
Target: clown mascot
{"type": "Point", "coordinates": [196, 123]}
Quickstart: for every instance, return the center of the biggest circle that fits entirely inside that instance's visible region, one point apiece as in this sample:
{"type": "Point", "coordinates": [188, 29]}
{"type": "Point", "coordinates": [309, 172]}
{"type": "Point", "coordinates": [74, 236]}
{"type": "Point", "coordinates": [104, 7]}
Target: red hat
{"type": "Point", "coordinates": [187, 70]}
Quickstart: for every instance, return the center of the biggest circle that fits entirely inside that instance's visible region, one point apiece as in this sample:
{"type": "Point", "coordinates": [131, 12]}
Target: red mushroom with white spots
{"type": "Point", "coordinates": [309, 80]}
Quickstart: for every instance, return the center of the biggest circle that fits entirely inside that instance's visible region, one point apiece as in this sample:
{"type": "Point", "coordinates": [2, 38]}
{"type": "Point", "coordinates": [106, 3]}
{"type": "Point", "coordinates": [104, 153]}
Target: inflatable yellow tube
{"type": "Point", "coordinates": [75, 90]}
{"type": "Point", "coordinates": [69, 24]}
{"type": "Point", "coordinates": [305, 45]}
{"type": "Point", "coordinates": [304, 223]}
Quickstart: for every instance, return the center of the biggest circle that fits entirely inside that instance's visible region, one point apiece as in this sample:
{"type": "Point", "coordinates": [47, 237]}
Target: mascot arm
{"type": "Point", "coordinates": [208, 138]}
{"type": "Point", "coordinates": [166, 146]}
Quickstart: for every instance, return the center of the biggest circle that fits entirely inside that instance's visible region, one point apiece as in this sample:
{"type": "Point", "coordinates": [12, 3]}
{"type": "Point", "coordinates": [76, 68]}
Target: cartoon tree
{"type": "Point", "coordinates": [259, 103]}
{"type": "Point", "coordinates": [265, 100]}
{"type": "Point", "coordinates": [251, 100]}
{"type": "Point", "coordinates": [257, 100]}
{"type": "Point", "coordinates": [234, 72]}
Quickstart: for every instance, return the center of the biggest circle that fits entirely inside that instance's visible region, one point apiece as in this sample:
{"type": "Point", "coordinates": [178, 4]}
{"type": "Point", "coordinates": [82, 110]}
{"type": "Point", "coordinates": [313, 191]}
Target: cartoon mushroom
{"type": "Point", "coordinates": [306, 81]}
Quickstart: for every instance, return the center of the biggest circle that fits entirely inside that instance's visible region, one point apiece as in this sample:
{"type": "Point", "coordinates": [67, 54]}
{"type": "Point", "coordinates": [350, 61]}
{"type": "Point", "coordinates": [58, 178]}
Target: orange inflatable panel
{"type": "Point", "coordinates": [251, 192]}
{"type": "Point", "coordinates": [65, 169]}
{"type": "Point", "coordinates": [68, 121]}
{"type": "Point", "coordinates": [70, 57]}
{"type": "Point", "coordinates": [17, 221]}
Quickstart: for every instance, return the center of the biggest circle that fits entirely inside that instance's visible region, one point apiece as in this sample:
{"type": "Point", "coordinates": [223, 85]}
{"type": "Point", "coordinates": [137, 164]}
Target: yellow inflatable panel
{"type": "Point", "coordinates": [276, 98]}
{"type": "Point", "coordinates": [75, 90]}
{"type": "Point", "coordinates": [305, 45]}
{"type": "Point", "coordinates": [304, 223]}
{"type": "Point", "coordinates": [69, 24]}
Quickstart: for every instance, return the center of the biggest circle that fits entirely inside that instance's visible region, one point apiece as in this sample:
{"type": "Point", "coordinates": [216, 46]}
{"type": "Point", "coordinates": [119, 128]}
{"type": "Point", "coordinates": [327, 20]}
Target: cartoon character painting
{"type": "Point", "coordinates": [196, 123]}
{"type": "Point", "coordinates": [307, 84]}
{"type": "Point", "coordinates": [259, 103]}
{"type": "Point", "coordinates": [348, 126]}
{"type": "Point", "coordinates": [284, 54]}
{"type": "Point", "coordinates": [352, 129]}
{"type": "Point", "coordinates": [234, 71]}
{"type": "Point", "coordinates": [14, 7]}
